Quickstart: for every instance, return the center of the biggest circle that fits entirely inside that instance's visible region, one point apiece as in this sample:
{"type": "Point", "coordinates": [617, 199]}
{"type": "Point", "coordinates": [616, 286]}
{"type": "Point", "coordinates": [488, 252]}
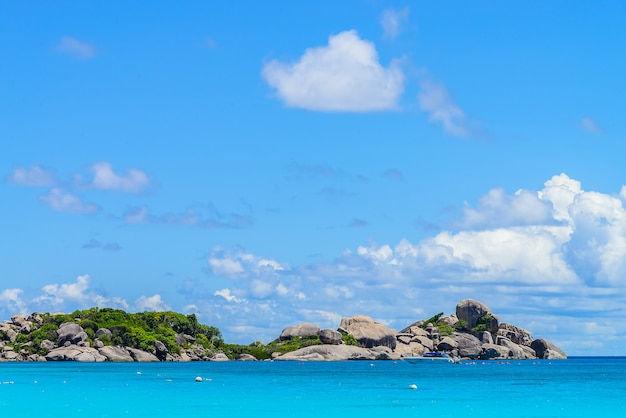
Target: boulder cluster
{"type": "Point", "coordinates": [491, 341]}
{"type": "Point", "coordinates": [72, 344]}
{"type": "Point", "coordinates": [472, 332]}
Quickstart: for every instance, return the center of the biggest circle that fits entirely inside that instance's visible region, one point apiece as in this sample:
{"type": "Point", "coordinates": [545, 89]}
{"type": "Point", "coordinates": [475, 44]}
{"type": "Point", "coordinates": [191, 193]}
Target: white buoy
{"type": "Point", "coordinates": [198, 379]}
{"type": "Point", "coordinates": [413, 386]}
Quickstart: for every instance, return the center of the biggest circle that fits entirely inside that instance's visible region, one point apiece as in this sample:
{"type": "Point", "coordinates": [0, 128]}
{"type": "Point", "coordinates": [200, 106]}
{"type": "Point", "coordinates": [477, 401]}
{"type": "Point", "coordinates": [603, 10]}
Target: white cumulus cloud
{"type": "Point", "coordinates": [151, 303]}
{"type": "Point", "coordinates": [11, 300]}
{"type": "Point", "coordinates": [57, 294]}
{"type": "Point", "coordinates": [343, 76]}
{"type": "Point", "coordinates": [558, 252]}
{"type": "Point", "coordinates": [133, 181]}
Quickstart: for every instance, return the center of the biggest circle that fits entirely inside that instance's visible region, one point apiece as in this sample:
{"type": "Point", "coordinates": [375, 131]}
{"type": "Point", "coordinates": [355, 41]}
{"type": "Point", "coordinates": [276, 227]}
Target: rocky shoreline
{"type": "Point", "coordinates": [472, 332]}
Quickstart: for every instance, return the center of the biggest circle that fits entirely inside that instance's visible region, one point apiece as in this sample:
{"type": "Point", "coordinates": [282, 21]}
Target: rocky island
{"type": "Point", "coordinates": [99, 335]}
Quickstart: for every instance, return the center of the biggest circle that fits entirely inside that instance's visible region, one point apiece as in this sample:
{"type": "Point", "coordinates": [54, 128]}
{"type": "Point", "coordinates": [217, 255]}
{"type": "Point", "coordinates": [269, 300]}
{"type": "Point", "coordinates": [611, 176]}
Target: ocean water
{"type": "Point", "coordinates": [577, 387]}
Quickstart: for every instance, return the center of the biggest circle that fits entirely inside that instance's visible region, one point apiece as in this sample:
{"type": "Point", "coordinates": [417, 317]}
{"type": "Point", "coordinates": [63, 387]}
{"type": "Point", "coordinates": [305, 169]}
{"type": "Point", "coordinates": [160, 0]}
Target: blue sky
{"type": "Point", "coordinates": [263, 166]}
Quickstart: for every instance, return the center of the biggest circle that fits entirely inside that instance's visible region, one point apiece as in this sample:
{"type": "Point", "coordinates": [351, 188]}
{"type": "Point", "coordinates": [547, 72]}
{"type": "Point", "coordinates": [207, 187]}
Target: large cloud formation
{"type": "Point", "coordinates": [550, 260]}
{"type": "Point", "coordinates": [343, 76]}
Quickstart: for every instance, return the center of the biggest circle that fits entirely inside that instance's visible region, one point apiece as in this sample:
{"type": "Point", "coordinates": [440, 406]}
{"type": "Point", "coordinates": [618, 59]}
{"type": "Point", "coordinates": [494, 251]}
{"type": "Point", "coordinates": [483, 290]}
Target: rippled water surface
{"type": "Point", "coordinates": [577, 387]}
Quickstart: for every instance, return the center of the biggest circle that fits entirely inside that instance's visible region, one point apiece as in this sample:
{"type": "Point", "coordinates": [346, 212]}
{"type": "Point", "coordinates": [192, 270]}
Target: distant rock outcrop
{"type": "Point", "coordinates": [472, 332]}
{"type": "Point", "coordinates": [368, 332]}
{"type": "Point", "coordinates": [303, 330]}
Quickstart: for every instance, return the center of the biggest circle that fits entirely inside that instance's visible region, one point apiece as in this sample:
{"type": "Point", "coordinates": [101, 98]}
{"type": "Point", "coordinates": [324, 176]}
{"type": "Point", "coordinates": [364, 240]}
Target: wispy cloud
{"type": "Point", "coordinates": [206, 216]}
{"type": "Point", "coordinates": [63, 201]}
{"type": "Point", "coordinates": [95, 244]}
{"type": "Point", "coordinates": [75, 48]}
{"type": "Point", "coordinates": [392, 21]}
{"type": "Point", "coordinates": [343, 76]}
{"type": "Point", "coordinates": [34, 175]}
{"type": "Point", "coordinates": [435, 100]}
{"type": "Point", "coordinates": [589, 124]}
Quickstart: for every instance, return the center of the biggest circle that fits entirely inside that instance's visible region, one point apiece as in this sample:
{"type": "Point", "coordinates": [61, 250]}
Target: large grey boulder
{"type": "Point", "coordinates": [515, 350]}
{"type": "Point", "coordinates": [72, 333]}
{"type": "Point", "coordinates": [468, 345]}
{"type": "Point", "coordinates": [325, 352]}
{"type": "Point", "coordinates": [447, 344]}
{"type": "Point", "coordinates": [529, 353]}
{"type": "Point", "coordinates": [160, 350]}
{"type": "Point", "coordinates": [75, 353]}
{"type": "Point", "coordinates": [330, 336]}
{"type": "Point", "coordinates": [219, 357]}
{"type": "Point", "coordinates": [46, 345]}
{"type": "Point", "coordinates": [368, 332]}
{"type": "Point", "coordinates": [116, 354]}
{"type": "Point", "coordinates": [546, 350]}
{"type": "Point", "coordinates": [104, 331]}
{"type": "Point", "coordinates": [36, 318]}
{"type": "Point", "coordinates": [18, 320]}
{"type": "Point", "coordinates": [486, 338]}
{"type": "Point", "coordinates": [303, 330]}
{"type": "Point", "coordinates": [470, 310]}
{"type": "Point", "coordinates": [141, 356]}
{"type": "Point", "coordinates": [246, 357]}
{"type": "Point", "coordinates": [493, 351]}
{"type": "Point", "coordinates": [515, 334]}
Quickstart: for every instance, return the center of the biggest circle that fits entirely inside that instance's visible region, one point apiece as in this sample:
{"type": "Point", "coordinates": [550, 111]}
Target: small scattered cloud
{"type": "Point", "coordinates": [236, 263]}
{"type": "Point", "coordinates": [75, 48]}
{"type": "Point", "coordinates": [590, 125]}
{"type": "Point", "coordinates": [225, 293]}
{"type": "Point", "coordinates": [151, 303]}
{"type": "Point", "coordinates": [136, 215]}
{"type": "Point", "coordinates": [392, 21]}
{"type": "Point", "coordinates": [62, 201]}
{"type": "Point", "coordinates": [204, 216]}
{"type": "Point", "coordinates": [11, 300]}
{"type": "Point", "coordinates": [343, 76]}
{"type": "Point", "coordinates": [435, 100]}
{"type": "Point", "coordinates": [95, 244]}
{"type": "Point", "coordinates": [104, 178]}
{"type": "Point", "coordinates": [34, 175]}
{"type": "Point", "coordinates": [57, 294]}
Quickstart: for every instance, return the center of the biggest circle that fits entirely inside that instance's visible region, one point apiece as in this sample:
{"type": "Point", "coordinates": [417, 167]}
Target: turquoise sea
{"type": "Point", "coordinates": [577, 387]}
